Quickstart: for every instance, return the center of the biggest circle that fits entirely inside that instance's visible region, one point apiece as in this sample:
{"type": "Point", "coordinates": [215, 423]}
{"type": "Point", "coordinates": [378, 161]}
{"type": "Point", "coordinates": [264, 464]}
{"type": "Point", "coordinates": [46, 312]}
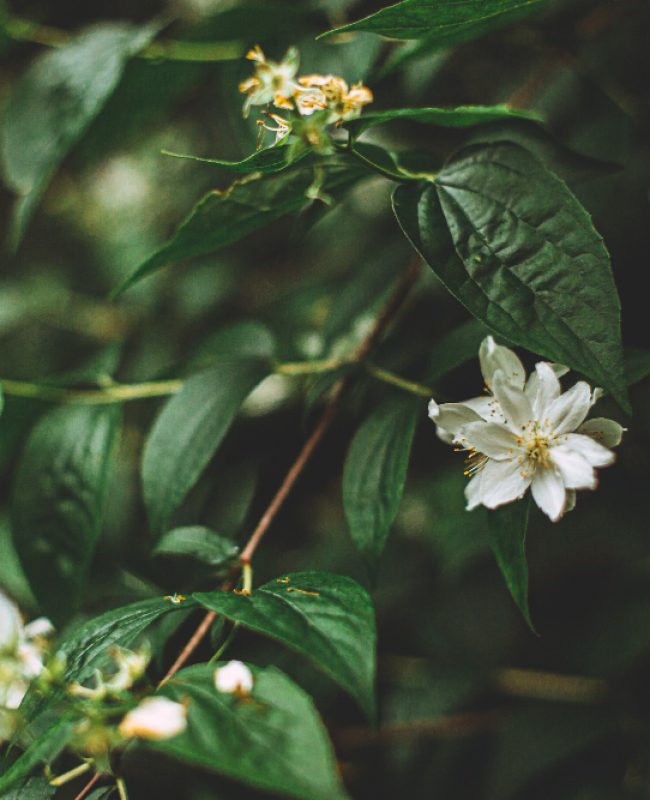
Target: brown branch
{"type": "Point", "coordinates": [384, 318]}
{"type": "Point", "coordinates": [462, 724]}
{"type": "Point", "coordinates": [83, 793]}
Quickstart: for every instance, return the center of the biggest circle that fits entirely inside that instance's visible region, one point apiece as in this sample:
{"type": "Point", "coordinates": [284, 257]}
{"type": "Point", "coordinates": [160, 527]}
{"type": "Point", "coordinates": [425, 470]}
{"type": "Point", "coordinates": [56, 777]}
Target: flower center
{"type": "Point", "coordinates": [536, 442]}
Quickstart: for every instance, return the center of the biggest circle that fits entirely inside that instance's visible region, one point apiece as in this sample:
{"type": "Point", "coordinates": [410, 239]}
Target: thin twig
{"type": "Point", "coordinates": [84, 792]}
{"type": "Point", "coordinates": [383, 320]}
{"type": "Point", "coordinates": [463, 724]}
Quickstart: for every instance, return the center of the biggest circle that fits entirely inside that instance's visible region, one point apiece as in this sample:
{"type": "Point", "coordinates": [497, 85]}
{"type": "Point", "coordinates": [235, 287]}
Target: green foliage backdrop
{"type": "Point", "coordinates": [219, 335]}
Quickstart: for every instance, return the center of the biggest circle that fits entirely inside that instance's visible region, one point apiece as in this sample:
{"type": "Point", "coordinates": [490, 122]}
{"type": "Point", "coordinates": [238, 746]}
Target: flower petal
{"type": "Point", "coordinates": [604, 431]}
{"type": "Point", "coordinates": [493, 357]}
{"type": "Point", "coordinates": [549, 492]}
{"type": "Point", "coordinates": [473, 491]}
{"type": "Point", "coordinates": [502, 482]}
{"type": "Point", "coordinates": [575, 470]}
{"type": "Point", "coordinates": [569, 410]}
{"type": "Point", "coordinates": [490, 438]}
{"type": "Point", "coordinates": [487, 407]}
{"type": "Point", "coordinates": [513, 402]}
{"type": "Point", "coordinates": [452, 416]}
{"type": "Point", "coordinates": [590, 450]}
{"type": "Point", "coordinates": [542, 388]}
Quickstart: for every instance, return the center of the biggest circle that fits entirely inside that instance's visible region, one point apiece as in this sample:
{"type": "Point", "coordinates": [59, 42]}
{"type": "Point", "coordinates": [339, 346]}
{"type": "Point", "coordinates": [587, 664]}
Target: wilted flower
{"type": "Point", "coordinates": [272, 81]}
{"type": "Point", "coordinates": [234, 678]}
{"type": "Point", "coordinates": [341, 102]}
{"type": "Point", "coordinates": [527, 433]}
{"type": "Point", "coordinates": [131, 667]}
{"type": "Point", "coordinates": [154, 718]}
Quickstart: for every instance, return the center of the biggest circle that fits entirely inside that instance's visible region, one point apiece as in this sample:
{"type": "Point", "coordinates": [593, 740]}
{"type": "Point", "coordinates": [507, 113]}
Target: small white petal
{"type": "Point", "coordinates": [549, 493]}
{"type": "Point", "coordinates": [502, 482]}
{"type": "Point", "coordinates": [542, 388]}
{"type": "Point", "coordinates": [486, 407]}
{"type": "Point", "coordinates": [234, 678]}
{"type": "Point", "coordinates": [590, 450]}
{"type": "Point", "coordinates": [473, 491]}
{"type": "Point", "coordinates": [39, 627]}
{"type": "Point", "coordinates": [576, 472]}
{"type": "Point", "coordinates": [154, 718]}
{"type": "Point", "coordinates": [604, 431]}
{"type": "Point", "coordinates": [452, 417]}
{"type": "Point", "coordinates": [493, 357]}
{"type": "Point", "coordinates": [491, 439]}
{"type": "Point", "coordinates": [514, 403]}
{"type": "Point", "coordinates": [10, 624]}
{"type": "Point", "coordinates": [569, 410]}
{"type": "Point", "coordinates": [15, 694]}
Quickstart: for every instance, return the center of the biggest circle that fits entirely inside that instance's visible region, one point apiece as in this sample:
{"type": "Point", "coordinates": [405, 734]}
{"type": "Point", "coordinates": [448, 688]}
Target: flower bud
{"type": "Point", "coordinates": [154, 718]}
{"type": "Point", "coordinates": [234, 678]}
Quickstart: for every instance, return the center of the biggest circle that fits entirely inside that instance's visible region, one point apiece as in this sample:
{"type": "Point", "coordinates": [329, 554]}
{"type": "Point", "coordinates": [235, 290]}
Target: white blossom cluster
{"type": "Point", "coordinates": [22, 651]}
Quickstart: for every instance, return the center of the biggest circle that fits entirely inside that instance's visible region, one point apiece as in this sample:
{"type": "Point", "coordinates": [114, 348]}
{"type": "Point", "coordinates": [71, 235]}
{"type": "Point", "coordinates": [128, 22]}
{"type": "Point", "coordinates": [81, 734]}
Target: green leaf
{"type": "Point", "coordinates": [375, 473]}
{"type": "Point", "coordinates": [189, 430]}
{"type": "Point", "coordinates": [441, 20]}
{"type": "Point", "coordinates": [224, 217]}
{"type": "Point", "coordinates": [637, 365]}
{"type": "Point", "coordinates": [510, 241]}
{"type": "Point", "coordinates": [85, 647]}
{"type": "Point", "coordinates": [35, 788]}
{"type": "Point", "coordinates": [328, 618]}
{"type": "Point", "coordinates": [454, 349]}
{"type": "Point", "coordinates": [273, 740]}
{"type": "Point", "coordinates": [54, 103]}
{"type": "Point", "coordinates": [42, 751]}
{"type": "Point", "coordinates": [266, 160]}
{"type": "Point", "coordinates": [459, 117]}
{"type": "Point", "coordinates": [58, 501]}
{"type": "Point", "coordinates": [243, 338]}
{"type": "Point", "coordinates": [198, 543]}
{"type": "Point", "coordinates": [507, 528]}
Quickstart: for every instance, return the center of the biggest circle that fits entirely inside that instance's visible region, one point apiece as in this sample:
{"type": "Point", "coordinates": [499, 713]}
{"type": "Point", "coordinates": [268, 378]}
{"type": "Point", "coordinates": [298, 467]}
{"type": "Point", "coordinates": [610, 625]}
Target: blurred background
{"type": "Point", "coordinates": [473, 705]}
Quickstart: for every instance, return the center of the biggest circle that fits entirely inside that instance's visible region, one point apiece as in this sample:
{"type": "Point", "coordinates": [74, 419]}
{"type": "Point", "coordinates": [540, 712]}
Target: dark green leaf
{"type": "Point", "coordinates": [244, 338]}
{"type": "Point", "coordinates": [189, 430]}
{"type": "Point", "coordinates": [637, 365]}
{"type": "Point", "coordinates": [58, 501]}
{"type": "Point", "coordinates": [223, 217]}
{"type": "Point", "coordinates": [35, 788]}
{"type": "Point", "coordinates": [275, 740]}
{"type": "Point", "coordinates": [527, 261]}
{"type": "Point", "coordinates": [266, 160]}
{"type": "Point", "coordinates": [459, 117]}
{"type": "Point", "coordinates": [328, 618]}
{"type": "Point", "coordinates": [85, 647]}
{"type": "Point", "coordinates": [507, 530]}
{"type": "Point", "coordinates": [375, 473]}
{"type": "Point", "coordinates": [441, 20]}
{"type": "Point", "coordinates": [455, 348]}
{"type": "Point", "coordinates": [198, 543]}
{"type": "Point", "coordinates": [54, 103]}
{"type": "Point", "coordinates": [42, 751]}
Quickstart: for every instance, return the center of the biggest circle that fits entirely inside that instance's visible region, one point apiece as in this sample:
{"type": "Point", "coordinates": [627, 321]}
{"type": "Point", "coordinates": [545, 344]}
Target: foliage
{"type": "Point", "coordinates": [220, 333]}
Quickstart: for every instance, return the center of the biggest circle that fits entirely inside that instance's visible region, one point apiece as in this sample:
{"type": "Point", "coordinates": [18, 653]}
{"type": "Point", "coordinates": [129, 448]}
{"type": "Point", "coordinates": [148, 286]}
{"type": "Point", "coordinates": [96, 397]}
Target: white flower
{"type": "Point", "coordinates": [22, 648]}
{"type": "Point", "coordinates": [234, 678]}
{"type": "Point", "coordinates": [10, 624]}
{"type": "Point", "coordinates": [154, 718]}
{"type": "Point", "coordinates": [527, 433]}
{"type": "Point", "coordinates": [272, 81]}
